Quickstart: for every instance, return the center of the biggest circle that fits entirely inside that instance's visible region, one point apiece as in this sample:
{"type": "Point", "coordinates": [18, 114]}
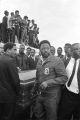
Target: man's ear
{"type": "Point", "coordinates": [8, 50]}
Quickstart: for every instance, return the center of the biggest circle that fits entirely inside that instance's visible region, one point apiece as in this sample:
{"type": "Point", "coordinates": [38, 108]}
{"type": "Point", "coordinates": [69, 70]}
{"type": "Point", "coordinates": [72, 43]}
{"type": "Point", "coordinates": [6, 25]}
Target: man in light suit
{"type": "Point", "coordinates": [71, 96]}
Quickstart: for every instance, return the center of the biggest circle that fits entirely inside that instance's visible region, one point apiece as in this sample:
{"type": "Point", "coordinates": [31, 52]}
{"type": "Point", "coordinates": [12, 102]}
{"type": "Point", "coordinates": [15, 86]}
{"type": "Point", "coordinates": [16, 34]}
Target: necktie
{"type": "Point", "coordinates": [72, 75]}
{"type": "Point", "coordinates": [67, 61]}
{"type": "Point", "coordinates": [78, 77]}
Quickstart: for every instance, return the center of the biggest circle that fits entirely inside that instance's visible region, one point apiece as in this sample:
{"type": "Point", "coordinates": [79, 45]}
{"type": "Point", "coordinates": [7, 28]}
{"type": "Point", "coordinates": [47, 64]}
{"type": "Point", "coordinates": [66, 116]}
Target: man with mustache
{"type": "Point", "coordinates": [50, 76]}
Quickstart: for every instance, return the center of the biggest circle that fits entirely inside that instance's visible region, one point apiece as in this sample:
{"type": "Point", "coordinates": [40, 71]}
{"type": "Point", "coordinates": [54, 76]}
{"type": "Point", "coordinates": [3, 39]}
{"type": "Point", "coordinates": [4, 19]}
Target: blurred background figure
{"type": "Point", "coordinates": [5, 27]}
{"type": "Point", "coordinates": [28, 52]}
{"type": "Point", "coordinates": [31, 28]}
{"type": "Point", "coordinates": [32, 60]}
{"type": "Point", "coordinates": [22, 59]}
{"type": "Point", "coordinates": [18, 21]}
{"type": "Point", "coordinates": [67, 57]}
{"type": "Point", "coordinates": [39, 56]}
{"type": "Point", "coordinates": [0, 32]}
{"type": "Point", "coordinates": [52, 49]}
{"type": "Point", "coordinates": [1, 48]}
{"type": "Point", "coordinates": [59, 52]}
{"type": "Point", "coordinates": [12, 28]}
{"type": "Point", "coordinates": [24, 30]}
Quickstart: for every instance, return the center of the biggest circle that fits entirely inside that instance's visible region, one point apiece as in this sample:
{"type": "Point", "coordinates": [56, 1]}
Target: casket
{"type": "Point", "coordinates": [27, 80]}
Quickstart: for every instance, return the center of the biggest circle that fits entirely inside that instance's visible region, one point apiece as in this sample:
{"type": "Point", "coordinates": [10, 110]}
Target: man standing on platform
{"type": "Point", "coordinates": [18, 21]}
{"type": "Point", "coordinates": [5, 27]}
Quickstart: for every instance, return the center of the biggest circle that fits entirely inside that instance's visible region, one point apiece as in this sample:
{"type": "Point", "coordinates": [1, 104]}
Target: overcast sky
{"type": "Point", "coordinates": [58, 20]}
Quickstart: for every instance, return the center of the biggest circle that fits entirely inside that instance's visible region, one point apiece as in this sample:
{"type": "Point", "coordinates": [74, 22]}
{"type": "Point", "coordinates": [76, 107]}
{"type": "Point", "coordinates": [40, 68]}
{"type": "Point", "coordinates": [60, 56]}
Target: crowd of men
{"type": "Point", "coordinates": [24, 29]}
{"type": "Point", "coordinates": [57, 84]}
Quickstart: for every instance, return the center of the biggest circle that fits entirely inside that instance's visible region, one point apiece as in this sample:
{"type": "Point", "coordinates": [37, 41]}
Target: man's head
{"type": "Point", "coordinates": [25, 18]}
{"type": "Point", "coordinates": [17, 12]}
{"type": "Point", "coordinates": [59, 51]}
{"type": "Point", "coordinates": [33, 21]}
{"type": "Point", "coordinates": [67, 49]}
{"type": "Point", "coordinates": [75, 50]}
{"type": "Point", "coordinates": [28, 21]}
{"type": "Point", "coordinates": [28, 51]}
{"type": "Point", "coordinates": [10, 48]}
{"type": "Point", "coordinates": [12, 13]}
{"type": "Point", "coordinates": [32, 53]}
{"type": "Point", "coordinates": [44, 48]}
{"type": "Point", "coordinates": [52, 49]}
{"type": "Point", "coordinates": [6, 12]}
{"type": "Point", "coordinates": [21, 49]}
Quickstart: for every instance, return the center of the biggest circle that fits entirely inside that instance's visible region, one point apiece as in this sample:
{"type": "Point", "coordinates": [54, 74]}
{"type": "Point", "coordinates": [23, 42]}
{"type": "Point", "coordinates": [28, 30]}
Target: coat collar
{"type": "Point", "coordinates": [45, 61]}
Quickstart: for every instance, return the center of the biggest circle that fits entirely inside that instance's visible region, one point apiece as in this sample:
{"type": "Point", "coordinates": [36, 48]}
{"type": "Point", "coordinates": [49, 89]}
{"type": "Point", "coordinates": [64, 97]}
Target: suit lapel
{"type": "Point", "coordinates": [78, 76]}
{"type": "Point", "coordinates": [67, 61]}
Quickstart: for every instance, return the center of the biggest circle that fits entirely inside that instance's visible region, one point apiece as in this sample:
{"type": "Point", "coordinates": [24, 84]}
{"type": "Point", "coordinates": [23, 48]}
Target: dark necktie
{"type": "Point", "coordinates": [78, 77]}
{"type": "Point", "coordinates": [67, 61]}
{"type": "Point", "coordinates": [72, 75]}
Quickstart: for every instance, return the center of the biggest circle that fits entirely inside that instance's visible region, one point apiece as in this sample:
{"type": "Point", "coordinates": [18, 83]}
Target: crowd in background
{"type": "Point", "coordinates": [27, 58]}
{"type": "Point", "coordinates": [25, 30]}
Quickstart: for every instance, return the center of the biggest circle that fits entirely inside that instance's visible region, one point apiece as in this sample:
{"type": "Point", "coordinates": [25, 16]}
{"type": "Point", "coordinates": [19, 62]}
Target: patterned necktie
{"type": "Point", "coordinates": [72, 75]}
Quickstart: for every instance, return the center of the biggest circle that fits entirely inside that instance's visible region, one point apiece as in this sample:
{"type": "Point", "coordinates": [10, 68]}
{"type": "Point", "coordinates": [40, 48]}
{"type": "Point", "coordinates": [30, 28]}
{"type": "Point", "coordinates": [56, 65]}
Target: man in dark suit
{"type": "Point", "coordinates": [59, 52]}
{"type": "Point", "coordinates": [9, 83]}
{"type": "Point", "coordinates": [32, 60]}
{"type": "Point", "coordinates": [70, 103]}
{"type": "Point", "coordinates": [50, 75]}
{"type": "Point", "coordinates": [67, 57]}
{"type": "Point", "coordinates": [22, 60]}
{"type": "Point", "coordinates": [28, 51]}
{"type": "Point", "coordinates": [5, 27]}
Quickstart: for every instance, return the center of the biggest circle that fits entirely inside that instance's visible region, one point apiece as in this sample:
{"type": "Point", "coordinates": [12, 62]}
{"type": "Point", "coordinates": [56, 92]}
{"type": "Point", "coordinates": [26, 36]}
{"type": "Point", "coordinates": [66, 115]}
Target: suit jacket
{"type": "Point", "coordinates": [32, 63]}
{"type": "Point", "coordinates": [22, 61]}
{"type": "Point", "coordinates": [4, 22]}
{"type": "Point", "coordinates": [66, 61]}
{"type": "Point", "coordinates": [9, 80]}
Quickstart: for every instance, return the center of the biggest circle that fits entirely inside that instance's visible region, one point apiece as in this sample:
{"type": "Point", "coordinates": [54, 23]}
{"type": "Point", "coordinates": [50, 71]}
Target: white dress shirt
{"type": "Point", "coordinates": [74, 84]}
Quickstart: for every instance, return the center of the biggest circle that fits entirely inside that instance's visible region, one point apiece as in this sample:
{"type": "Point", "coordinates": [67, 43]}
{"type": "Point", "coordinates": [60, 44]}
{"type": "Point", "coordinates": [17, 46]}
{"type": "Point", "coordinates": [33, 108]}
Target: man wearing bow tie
{"type": "Point", "coordinates": [71, 95]}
